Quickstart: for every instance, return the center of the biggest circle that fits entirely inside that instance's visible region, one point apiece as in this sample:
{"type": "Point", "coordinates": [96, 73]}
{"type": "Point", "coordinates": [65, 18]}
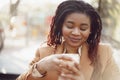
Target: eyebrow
{"type": "Point", "coordinates": [83, 24]}
{"type": "Point", "coordinates": [70, 22]}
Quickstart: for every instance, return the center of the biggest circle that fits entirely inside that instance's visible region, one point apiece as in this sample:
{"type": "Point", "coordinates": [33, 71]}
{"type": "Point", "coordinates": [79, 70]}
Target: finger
{"type": "Point", "coordinates": [67, 76]}
{"type": "Point", "coordinates": [66, 71]}
{"type": "Point", "coordinates": [72, 68]}
{"type": "Point", "coordinates": [65, 57]}
{"type": "Point", "coordinates": [63, 64]}
{"type": "Point", "coordinates": [56, 61]}
{"type": "Point", "coordinates": [58, 58]}
{"type": "Point", "coordinates": [69, 67]}
{"type": "Point", "coordinates": [58, 70]}
{"type": "Point", "coordinates": [77, 66]}
{"type": "Point", "coordinates": [63, 78]}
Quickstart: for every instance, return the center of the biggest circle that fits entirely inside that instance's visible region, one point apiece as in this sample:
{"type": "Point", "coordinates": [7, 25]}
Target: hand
{"type": "Point", "coordinates": [71, 72]}
{"type": "Point", "coordinates": [52, 62]}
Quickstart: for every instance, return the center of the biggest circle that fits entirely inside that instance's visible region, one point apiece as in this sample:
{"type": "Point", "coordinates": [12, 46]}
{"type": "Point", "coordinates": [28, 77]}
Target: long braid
{"type": "Point", "coordinates": [71, 6]}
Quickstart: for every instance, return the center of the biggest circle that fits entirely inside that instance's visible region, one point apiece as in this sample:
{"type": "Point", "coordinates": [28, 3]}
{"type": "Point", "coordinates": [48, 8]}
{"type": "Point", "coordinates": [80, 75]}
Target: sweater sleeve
{"type": "Point", "coordinates": [111, 71]}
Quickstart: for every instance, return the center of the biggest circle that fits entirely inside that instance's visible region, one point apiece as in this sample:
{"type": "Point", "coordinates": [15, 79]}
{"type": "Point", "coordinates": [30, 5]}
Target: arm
{"type": "Point", "coordinates": [27, 75]}
{"type": "Point", "coordinates": [111, 71]}
{"type": "Point", "coordinates": [46, 62]}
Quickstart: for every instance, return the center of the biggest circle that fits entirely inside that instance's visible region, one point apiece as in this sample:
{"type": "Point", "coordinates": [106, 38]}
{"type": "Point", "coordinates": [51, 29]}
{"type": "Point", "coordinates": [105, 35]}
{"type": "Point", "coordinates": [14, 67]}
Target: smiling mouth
{"type": "Point", "coordinates": [75, 39]}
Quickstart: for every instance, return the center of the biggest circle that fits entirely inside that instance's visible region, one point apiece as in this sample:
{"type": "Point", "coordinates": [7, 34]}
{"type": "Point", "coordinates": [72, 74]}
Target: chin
{"type": "Point", "coordinates": [75, 44]}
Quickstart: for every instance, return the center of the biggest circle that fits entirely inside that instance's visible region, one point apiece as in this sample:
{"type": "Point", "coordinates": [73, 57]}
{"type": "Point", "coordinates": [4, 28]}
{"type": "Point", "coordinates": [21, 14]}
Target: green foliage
{"type": "Point", "coordinates": [109, 8]}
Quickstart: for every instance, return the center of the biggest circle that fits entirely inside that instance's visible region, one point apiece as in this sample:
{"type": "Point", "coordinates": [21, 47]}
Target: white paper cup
{"type": "Point", "coordinates": [75, 57]}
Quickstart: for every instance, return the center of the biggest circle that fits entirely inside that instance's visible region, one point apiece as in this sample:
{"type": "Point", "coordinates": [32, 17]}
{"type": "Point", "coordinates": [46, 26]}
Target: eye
{"type": "Point", "coordinates": [70, 27]}
{"type": "Point", "coordinates": [83, 29]}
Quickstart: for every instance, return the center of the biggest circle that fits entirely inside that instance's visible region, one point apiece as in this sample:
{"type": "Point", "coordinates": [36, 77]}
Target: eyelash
{"type": "Point", "coordinates": [83, 29]}
{"type": "Point", "coordinates": [70, 27]}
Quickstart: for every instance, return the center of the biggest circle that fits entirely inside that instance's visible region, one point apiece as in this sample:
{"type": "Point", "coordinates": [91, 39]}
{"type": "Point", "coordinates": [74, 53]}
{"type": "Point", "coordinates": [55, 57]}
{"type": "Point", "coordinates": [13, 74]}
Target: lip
{"type": "Point", "coordinates": [74, 39]}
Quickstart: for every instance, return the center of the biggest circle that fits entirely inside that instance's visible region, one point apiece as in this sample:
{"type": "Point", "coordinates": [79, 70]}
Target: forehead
{"type": "Point", "coordinates": [77, 17]}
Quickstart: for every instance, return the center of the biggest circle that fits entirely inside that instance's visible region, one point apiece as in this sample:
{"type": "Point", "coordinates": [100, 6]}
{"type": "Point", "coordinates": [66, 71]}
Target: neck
{"type": "Point", "coordinates": [70, 49]}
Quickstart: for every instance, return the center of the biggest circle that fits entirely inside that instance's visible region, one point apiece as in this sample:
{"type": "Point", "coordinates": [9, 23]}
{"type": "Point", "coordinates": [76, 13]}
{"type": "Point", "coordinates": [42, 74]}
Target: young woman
{"type": "Point", "coordinates": [75, 29]}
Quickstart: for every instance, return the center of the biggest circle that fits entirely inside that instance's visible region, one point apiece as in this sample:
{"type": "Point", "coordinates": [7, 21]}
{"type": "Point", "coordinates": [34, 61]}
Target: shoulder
{"type": "Point", "coordinates": [105, 50]}
{"type": "Point", "coordinates": [104, 45]}
{"type": "Point", "coordinates": [44, 50]}
{"type": "Point", "coordinates": [109, 65]}
{"type": "Point", "coordinates": [41, 52]}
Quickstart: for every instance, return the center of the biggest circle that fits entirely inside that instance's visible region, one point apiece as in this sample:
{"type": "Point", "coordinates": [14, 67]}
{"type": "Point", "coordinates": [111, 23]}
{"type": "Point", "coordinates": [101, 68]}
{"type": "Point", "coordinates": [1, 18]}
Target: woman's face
{"type": "Point", "coordinates": [76, 29]}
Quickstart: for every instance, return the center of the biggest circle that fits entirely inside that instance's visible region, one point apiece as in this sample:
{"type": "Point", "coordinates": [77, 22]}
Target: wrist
{"type": "Point", "coordinates": [38, 71]}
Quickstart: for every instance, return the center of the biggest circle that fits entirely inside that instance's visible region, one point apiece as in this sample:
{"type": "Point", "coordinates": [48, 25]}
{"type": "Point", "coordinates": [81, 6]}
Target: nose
{"type": "Point", "coordinates": [76, 31]}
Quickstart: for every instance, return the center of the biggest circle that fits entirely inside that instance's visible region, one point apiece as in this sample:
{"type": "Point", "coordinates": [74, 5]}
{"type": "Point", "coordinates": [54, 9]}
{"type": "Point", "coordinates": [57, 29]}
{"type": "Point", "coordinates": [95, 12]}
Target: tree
{"type": "Point", "coordinates": [13, 7]}
{"type": "Point", "coordinates": [109, 11]}
{"type": "Point", "coordinates": [13, 11]}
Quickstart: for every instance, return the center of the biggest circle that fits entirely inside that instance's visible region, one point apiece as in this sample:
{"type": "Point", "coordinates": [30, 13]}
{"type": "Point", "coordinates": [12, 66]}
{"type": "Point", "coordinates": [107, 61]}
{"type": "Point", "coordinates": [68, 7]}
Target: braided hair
{"type": "Point", "coordinates": [55, 35]}
{"type": "Point", "coordinates": [71, 6]}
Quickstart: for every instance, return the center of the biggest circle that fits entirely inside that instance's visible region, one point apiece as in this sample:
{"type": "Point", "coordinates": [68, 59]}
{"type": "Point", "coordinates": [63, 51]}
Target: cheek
{"type": "Point", "coordinates": [65, 31]}
{"type": "Point", "coordinates": [86, 35]}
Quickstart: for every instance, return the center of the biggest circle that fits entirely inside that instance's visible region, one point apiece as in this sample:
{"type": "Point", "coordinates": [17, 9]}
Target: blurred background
{"type": "Point", "coordinates": [24, 25]}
